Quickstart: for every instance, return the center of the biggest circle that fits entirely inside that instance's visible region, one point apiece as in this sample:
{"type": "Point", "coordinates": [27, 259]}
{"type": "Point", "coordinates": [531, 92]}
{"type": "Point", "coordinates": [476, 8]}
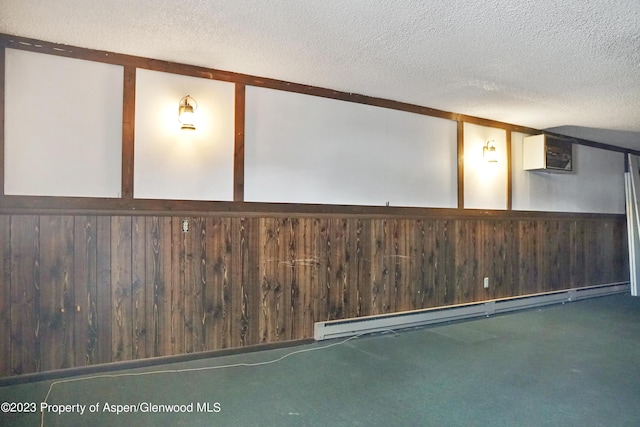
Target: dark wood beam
{"type": "Point", "coordinates": [460, 140]}
{"type": "Point", "coordinates": [509, 173]}
{"type": "Point", "coordinates": [238, 151]}
{"type": "Point", "coordinates": [128, 131]}
{"type": "Point", "coordinates": [2, 113]}
{"type": "Point", "coordinates": [29, 205]}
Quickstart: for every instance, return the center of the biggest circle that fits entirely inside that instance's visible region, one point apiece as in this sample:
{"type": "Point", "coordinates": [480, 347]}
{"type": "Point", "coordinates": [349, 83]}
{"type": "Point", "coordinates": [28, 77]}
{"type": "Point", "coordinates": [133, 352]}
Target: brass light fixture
{"type": "Point", "coordinates": [186, 113]}
{"type": "Point", "coordinates": [489, 152]}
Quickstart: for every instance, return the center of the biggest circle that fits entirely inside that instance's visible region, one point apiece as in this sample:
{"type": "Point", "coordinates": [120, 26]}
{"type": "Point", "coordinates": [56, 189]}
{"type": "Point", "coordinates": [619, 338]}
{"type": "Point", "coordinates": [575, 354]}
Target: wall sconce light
{"type": "Point", "coordinates": [186, 110]}
{"type": "Point", "coordinates": [489, 152]}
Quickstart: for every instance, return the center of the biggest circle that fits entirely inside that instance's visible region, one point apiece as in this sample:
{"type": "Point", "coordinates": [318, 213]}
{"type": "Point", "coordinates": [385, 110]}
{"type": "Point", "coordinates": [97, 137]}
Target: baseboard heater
{"type": "Point", "coordinates": [412, 319]}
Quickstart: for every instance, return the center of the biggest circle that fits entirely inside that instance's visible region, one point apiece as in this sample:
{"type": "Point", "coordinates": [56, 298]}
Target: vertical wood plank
{"type": "Point", "coordinates": [250, 256]}
{"type": "Point", "coordinates": [322, 252]}
{"type": "Point", "coordinates": [563, 260]}
{"type": "Point", "coordinates": [364, 256]}
{"type": "Point", "coordinates": [121, 239]}
{"type": "Point", "coordinates": [577, 253]}
{"type": "Point", "coordinates": [404, 257]}
{"type": "Point", "coordinates": [608, 252]}
{"type": "Point", "coordinates": [189, 242]}
{"type": "Point", "coordinates": [57, 299]}
{"type": "Point", "coordinates": [177, 286]}
{"type": "Point", "coordinates": [512, 237]}
{"type": "Point", "coordinates": [390, 289]}
{"type": "Point", "coordinates": [25, 294]}
{"type": "Point", "coordinates": [305, 278]}
{"type": "Point", "coordinates": [505, 259]}
{"type": "Point", "coordinates": [245, 308]}
{"type": "Point", "coordinates": [163, 284]}
{"type": "Point", "coordinates": [272, 286]}
{"type": "Point", "coordinates": [414, 278]}
{"type": "Point", "coordinates": [528, 260]}
{"type": "Point", "coordinates": [379, 269]}
{"type": "Point", "coordinates": [430, 263]}
{"type": "Point", "coordinates": [235, 293]}
{"type": "Point", "coordinates": [153, 286]}
{"type": "Point", "coordinates": [448, 254]}
{"type": "Point", "coordinates": [620, 254]}
{"type": "Point", "coordinates": [488, 264]}
{"type": "Point", "coordinates": [546, 255]}
{"type": "Point", "coordinates": [279, 304]}
{"type": "Point", "coordinates": [390, 293]}
{"type": "Point", "coordinates": [290, 307]}
{"type": "Point", "coordinates": [103, 291]}
{"type": "Point", "coordinates": [218, 255]}
{"type": "Point", "coordinates": [353, 302]}
{"type": "Point", "coordinates": [592, 248]}
{"type": "Point", "coordinates": [85, 292]}
{"type": "Point", "coordinates": [604, 251]}
{"type": "Point", "coordinates": [421, 273]}
{"type": "Point", "coordinates": [335, 269]}
{"type": "Point", "coordinates": [201, 285]}
{"type": "Point", "coordinates": [139, 307]}
{"type": "Point", "coordinates": [267, 277]}
{"type": "Point", "coordinates": [466, 247]}
{"type": "Point", "coordinates": [195, 284]}
{"type": "Point", "coordinates": [5, 293]}
{"type": "Point", "coordinates": [237, 317]}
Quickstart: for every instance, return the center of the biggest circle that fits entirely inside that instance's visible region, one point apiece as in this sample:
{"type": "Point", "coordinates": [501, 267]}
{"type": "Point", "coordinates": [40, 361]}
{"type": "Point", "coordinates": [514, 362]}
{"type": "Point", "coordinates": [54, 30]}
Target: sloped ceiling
{"type": "Point", "coordinates": [572, 66]}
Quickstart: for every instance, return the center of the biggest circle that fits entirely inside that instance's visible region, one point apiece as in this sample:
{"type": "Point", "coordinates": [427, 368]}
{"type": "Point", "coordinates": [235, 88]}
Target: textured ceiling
{"type": "Point", "coordinates": [571, 65]}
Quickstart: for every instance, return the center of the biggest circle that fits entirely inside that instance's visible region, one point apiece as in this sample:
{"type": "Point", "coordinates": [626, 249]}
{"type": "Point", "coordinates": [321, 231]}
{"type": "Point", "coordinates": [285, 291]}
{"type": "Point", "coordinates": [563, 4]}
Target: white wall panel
{"type": "Point", "coordinates": [63, 126]}
{"type": "Point", "coordinates": [171, 163]}
{"type": "Point", "coordinates": [306, 149]}
{"type": "Point", "coordinates": [485, 184]}
{"type": "Point", "coordinates": [596, 184]}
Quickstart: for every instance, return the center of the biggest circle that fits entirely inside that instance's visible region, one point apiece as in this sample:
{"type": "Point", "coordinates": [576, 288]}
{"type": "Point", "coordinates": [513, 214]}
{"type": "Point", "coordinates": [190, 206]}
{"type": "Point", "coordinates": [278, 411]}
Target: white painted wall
{"type": "Point", "coordinates": [171, 163]}
{"type": "Point", "coordinates": [485, 184]}
{"type": "Point", "coordinates": [596, 184]}
{"type": "Point", "coordinates": [63, 138]}
{"type": "Point", "coordinates": [63, 126]}
{"type": "Point", "coordinates": [306, 149]}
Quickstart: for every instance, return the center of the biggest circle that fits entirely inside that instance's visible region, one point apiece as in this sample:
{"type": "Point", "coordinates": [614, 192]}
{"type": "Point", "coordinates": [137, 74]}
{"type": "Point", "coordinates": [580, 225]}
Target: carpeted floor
{"type": "Point", "coordinates": [575, 364]}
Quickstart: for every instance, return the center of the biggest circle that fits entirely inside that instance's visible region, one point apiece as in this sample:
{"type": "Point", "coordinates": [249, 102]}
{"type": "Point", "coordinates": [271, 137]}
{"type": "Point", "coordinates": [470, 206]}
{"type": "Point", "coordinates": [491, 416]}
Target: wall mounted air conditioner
{"type": "Point", "coordinates": [548, 153]}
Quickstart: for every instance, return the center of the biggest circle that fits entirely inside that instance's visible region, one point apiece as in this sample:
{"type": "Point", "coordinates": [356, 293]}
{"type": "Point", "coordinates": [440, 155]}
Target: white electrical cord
{"type": "Point", "coordinates": [205, 368]}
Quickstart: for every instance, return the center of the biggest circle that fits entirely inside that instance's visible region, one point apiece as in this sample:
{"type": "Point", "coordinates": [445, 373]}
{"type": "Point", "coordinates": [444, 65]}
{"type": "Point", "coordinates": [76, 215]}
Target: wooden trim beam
{"type": "Point", "coordinates": [2, 113]}
{"type": "Point", "coordinates": [128, 131]}
{"type": "Point", "coordinates": [460, 164]}
{"type": "Point", "coordinates": [44, 205]}
{"type": "Point", "coordinates": [238, 157]}
{"type": "Point", "coordinates": [509, 173]}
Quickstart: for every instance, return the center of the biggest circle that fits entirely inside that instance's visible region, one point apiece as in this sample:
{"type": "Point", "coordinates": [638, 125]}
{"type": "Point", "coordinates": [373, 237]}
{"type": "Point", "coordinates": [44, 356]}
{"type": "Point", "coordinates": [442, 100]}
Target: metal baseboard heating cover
{"type": "Point", "coordinates": [411, 319]}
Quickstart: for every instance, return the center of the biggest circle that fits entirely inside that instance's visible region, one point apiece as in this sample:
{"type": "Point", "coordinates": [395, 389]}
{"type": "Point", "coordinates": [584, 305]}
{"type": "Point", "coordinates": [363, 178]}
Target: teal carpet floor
{"type": "Point", "coordinates": [576, 364]}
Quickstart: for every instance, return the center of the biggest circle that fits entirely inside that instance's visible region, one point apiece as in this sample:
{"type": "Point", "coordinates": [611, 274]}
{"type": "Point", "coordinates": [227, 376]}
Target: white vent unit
{"type": "Point", "coordinates": [547, 152]}
{"type": "Point", "coordinates": [411, 319]}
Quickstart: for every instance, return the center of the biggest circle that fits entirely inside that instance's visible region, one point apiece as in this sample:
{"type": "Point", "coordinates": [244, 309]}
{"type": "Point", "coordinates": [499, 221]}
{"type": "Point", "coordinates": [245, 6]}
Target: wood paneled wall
{"type": "Point", "coordinates": [81, 290]}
